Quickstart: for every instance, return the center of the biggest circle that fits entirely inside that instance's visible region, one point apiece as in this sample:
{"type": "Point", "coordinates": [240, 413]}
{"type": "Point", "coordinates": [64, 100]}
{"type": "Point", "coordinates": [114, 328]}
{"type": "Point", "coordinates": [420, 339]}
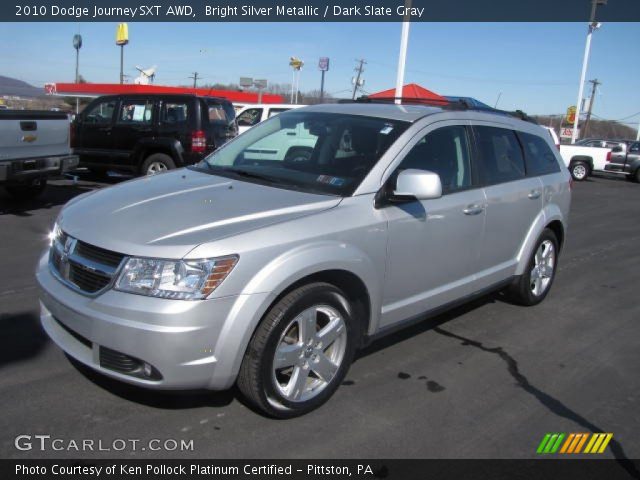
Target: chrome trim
{"type": "Point", "coordinates": [68, 256]}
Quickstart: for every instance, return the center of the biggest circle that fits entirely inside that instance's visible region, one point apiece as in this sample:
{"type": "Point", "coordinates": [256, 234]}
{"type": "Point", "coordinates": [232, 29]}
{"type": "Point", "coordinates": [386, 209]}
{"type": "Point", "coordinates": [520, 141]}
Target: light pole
{"type": "Point", "coordinates": [296, 64]}
{"type": "Point", "coordinates": [402, 57]}
{"type": "Point", "coordinates": [593, 25]}
{"type": "Point", "coordinates": [77, 44]}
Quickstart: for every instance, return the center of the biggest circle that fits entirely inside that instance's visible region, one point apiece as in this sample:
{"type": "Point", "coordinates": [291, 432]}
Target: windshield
{"type": "Point", "coordinates": [315, 152]}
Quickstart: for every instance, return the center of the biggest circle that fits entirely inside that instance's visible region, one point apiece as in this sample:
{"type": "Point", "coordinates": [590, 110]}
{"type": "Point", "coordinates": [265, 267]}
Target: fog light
{"type": "Point", "coordinates": [148, 370]}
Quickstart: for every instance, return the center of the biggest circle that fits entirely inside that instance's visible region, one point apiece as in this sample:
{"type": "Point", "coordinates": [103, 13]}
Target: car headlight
{"type": "Point", "coordinates": [55, 233]}
{"type": "Point", "coordinates": [175, 279]}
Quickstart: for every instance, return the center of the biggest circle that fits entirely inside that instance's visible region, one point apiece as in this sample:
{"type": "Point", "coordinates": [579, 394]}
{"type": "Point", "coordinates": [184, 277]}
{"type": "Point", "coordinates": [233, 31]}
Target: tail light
{"type": "Point", "coordinates": [198, 142]}
{"type": "Point", "coordinates": [609, 156]}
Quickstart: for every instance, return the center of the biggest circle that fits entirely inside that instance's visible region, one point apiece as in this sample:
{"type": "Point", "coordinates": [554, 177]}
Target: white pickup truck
{"type": "Point", "coordinates": [583, 161]}
{"type": "Point", "coordinates": [34, 145]}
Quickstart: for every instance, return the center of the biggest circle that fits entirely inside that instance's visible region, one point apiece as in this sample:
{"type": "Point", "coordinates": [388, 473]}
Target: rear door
{"type": "Point", "coordinates": [513, 200]}
{"type": "Point", "coordinates": [95, 131]}
{"type": "Point", "coordinates": [134, 121]}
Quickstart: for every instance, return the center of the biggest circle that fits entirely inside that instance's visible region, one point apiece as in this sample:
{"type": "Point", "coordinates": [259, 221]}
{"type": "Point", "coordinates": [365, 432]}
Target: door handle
{"type": "Point", "coordinates": [473, 209]}
{"type": "Point", "coordinates": [533, 194]}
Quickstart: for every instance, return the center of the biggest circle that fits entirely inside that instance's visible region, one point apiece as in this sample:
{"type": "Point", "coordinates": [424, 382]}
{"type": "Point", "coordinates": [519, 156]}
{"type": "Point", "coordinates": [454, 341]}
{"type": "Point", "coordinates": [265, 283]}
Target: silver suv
{"type": "Point", "coordinates": [272, 272]}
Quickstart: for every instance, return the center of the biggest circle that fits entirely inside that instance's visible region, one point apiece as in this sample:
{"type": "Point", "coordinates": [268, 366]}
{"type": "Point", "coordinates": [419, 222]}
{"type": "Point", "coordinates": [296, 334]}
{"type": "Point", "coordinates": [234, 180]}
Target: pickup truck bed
{"type": "Point", "coordinates": [34, 145]}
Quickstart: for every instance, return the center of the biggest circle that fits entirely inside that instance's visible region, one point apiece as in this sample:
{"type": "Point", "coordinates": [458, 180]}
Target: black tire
{"type": "Point", "coordinates": [98, 172]}
{"type": "Point", "coordinates": [636, 175]}
{"type": "Point", "coordinates": [257, 380]}
{"type": "Point", "coordinates": [27, 191]}
{"type": "Point", "coordinates": [521, 291]}
{"type": "Point", "coordinates": [579, 171]}
{"type": "Point", "coordinates": [157, 159]}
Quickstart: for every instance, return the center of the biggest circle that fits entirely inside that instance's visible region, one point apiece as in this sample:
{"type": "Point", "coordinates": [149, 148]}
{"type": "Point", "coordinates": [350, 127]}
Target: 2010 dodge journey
{"type": "Point", "coordinates": [269, 263]}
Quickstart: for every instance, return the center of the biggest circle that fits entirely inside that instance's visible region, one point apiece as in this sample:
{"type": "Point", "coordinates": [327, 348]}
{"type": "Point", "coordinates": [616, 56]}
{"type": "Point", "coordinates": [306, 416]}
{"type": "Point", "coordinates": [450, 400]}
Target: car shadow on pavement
{"type": "Point", "coordinates": [55, 194]}
{"type": "Point", "coordinates": [161, 399]}
{"type": "Point", "coordinates": [22, 337]}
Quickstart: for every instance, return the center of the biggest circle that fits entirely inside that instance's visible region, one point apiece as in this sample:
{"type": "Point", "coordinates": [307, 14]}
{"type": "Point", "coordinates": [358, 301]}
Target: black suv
{"type": "Point", "coordinates": [149, 134]}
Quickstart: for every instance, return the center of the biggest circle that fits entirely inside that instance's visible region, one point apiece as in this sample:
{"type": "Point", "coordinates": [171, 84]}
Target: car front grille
{"type": "Point", "coordinates": [83, 267]}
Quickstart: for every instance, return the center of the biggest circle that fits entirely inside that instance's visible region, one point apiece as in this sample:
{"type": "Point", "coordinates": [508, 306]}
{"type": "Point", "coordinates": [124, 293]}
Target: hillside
{"type": "Point", "coordinates": [14, 87]}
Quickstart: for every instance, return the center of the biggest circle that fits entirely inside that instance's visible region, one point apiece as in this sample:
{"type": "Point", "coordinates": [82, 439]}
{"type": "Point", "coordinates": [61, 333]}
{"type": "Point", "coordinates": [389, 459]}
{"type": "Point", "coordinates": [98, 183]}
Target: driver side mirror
{"type": "Point", "coordinates": [418, 184]}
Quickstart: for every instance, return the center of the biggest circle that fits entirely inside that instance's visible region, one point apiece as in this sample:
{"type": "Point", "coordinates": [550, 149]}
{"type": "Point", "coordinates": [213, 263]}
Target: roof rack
{"type": "Point", "coordinates": [459, 104]}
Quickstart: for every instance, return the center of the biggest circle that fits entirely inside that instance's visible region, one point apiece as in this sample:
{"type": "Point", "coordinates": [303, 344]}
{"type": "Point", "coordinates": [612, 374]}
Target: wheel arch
{"type": "Point", "coordinates": [550, 217]}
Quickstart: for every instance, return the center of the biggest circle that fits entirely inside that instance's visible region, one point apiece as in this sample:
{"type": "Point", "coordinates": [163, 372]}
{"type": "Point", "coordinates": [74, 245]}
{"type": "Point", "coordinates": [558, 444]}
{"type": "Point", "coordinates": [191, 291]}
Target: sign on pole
{"type": "Point", "coordinates": [246, 82]}
{"type": "Point", "coordinates": [323, 64]}
{"type": "Point", "coordinates": [571, 114]}
{"type": "Point", "coordinates": [122, 34]}
{"type": "Point", "coordinates": [567, 132]}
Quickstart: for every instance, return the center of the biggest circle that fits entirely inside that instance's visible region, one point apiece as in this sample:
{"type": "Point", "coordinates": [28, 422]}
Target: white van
{"type": "Point", "coordinates": [252, 114]}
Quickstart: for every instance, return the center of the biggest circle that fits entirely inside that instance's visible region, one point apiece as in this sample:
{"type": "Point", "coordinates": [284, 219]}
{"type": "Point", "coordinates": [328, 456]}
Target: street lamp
{"type": "Point", "coordinates": [77, 44]}
{"type": "Point", "coordinates": [593, 26]}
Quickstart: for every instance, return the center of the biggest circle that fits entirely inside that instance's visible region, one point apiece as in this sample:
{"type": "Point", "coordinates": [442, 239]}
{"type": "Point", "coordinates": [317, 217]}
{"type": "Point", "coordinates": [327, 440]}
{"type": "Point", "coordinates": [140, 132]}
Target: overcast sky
{"type": "Point", "coordinates": [534, 66]}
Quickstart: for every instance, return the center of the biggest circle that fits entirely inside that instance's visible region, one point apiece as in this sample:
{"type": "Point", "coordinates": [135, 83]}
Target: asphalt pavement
{"type": "Point", "coordinates": [486, 380]}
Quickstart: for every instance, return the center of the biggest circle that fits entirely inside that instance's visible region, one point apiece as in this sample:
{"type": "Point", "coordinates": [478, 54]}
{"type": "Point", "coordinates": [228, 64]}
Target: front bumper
{"type": "Point", "coordinates": [191, 344]}
{"type": "Point", "coordinates": [26, 169]}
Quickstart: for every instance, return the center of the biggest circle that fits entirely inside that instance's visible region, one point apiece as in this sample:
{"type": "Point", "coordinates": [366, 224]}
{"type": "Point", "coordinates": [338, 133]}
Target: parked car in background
{"type": "Point", "coordinates": [250, 115]}
{"type": "Point", "coordinates": [149, 134]}
{"type": "Point", "coordinates": [625, 160]}
{"type": "Point", "coordinates": [601, 143]}
{"type": "Point", "coordinates": [271, 274]}
{"type": "Point", "coordinates": [34, 146]}
{"type": "Point", "coordinates": [582, 161]}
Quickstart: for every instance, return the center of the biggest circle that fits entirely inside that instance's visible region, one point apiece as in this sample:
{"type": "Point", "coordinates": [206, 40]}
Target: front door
{"type": "Point", "coordinates": [433, 244]}
{"type": "Point", "coordinates": [95, 135]}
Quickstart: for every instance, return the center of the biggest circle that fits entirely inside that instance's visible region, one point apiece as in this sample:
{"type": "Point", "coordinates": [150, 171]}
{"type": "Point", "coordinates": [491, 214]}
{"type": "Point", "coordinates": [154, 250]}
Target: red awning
{"type": "Point", "coordinates": [410, 90]}
{"type": "Point", "coordinates": [99, 89]}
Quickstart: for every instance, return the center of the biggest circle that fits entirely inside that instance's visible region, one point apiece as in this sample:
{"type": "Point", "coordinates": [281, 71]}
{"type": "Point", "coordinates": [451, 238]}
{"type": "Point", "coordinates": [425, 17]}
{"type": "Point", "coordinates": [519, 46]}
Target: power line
{"type": "Point", "coordinates": [594, 88]}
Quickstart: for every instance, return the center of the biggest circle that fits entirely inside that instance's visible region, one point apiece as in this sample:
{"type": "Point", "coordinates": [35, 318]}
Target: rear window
{"type": "Point", "coordinates": [539, 158]}
{"type": "Point", "coordinates": [500, 155]}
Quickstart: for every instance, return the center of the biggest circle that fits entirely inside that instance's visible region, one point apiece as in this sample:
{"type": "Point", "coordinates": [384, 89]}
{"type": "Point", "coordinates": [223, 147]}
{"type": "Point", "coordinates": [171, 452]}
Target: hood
{"type": "Point", "coordinates": [168, 215]}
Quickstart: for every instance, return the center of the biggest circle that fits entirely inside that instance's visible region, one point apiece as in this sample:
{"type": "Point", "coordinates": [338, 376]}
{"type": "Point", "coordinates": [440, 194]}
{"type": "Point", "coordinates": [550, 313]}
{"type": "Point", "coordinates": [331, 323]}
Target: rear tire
{"type": "Point", "coordinates": [157, 163]}
{"type": "Point", "coordinates": [27, 191]}
{"type": "Point", "coordinates": [300, 352]}
{"type": "Point", "coordinates": [534, 284]}
{"type": "Point", "coordinates": [579, 171]}
{"type": "Point", "coordinates": [636, 175]}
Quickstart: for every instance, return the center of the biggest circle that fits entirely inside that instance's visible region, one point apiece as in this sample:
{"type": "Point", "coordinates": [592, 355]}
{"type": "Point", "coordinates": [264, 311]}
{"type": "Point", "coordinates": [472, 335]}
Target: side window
{"type": "Point", "coordinates": [217, 113]}
{"type": "Point", "coordinates": [174, 113]}
{"type": "Point", "coordinates": [250, 117]}
{"type": "Point", "coordinates": [100, 113]}
{"type": "Point", "coordinates": [500, 155]}
{"type": "Point", "coordinates": [276, 111]}
{"type": "Point", "coordinates": [444, 151]}
{"type": "Point", "coordinates": [136, 112]}
{"type": "Point", "coordinates": [635, 148]}
{"type": "Point", "coordinates": [539, 158]}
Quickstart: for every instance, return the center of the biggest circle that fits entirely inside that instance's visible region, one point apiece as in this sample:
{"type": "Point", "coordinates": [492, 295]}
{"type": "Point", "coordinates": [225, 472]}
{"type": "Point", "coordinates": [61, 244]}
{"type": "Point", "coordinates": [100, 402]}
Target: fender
{"type": "Point", "coordinates": [275, 277]}
{"type": "Point", "coordinates": [582, 158]}
{"type": "Point", "coordinates": [170, 146]}
{"type": "Point", "coordinates": [548, 214]}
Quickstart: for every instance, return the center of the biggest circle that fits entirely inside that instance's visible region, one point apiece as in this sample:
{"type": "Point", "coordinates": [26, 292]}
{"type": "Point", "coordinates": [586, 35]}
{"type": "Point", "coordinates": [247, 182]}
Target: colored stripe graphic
{"type": "Point", "coordinates": [573, 443]}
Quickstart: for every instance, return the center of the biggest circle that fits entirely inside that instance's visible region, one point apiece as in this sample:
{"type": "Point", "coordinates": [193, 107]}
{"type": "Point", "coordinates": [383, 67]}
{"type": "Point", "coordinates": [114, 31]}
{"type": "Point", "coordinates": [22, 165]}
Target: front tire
{"type": "Point", "coordinates": [579, 171]}
{"type": "Point", "coordinates": [534, 284]}
{"type": "Point", "coordinates": [300, 352]}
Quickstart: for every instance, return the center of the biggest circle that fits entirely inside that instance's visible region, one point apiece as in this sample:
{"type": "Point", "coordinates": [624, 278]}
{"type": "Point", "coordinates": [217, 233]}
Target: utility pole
{"type": "Point", "coordinates": [594, 88]}
{"type": "Point", "coordinates": [195, 79]}
{"type": "Point", "coordinates": [356, 84]}
{"type": "Point", "coordinates": [593, 25]}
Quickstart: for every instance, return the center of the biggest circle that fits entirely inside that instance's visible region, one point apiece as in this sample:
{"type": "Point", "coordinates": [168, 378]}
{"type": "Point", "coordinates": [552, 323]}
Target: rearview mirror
{"type": "Point", "coordinates": [419, 184]}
